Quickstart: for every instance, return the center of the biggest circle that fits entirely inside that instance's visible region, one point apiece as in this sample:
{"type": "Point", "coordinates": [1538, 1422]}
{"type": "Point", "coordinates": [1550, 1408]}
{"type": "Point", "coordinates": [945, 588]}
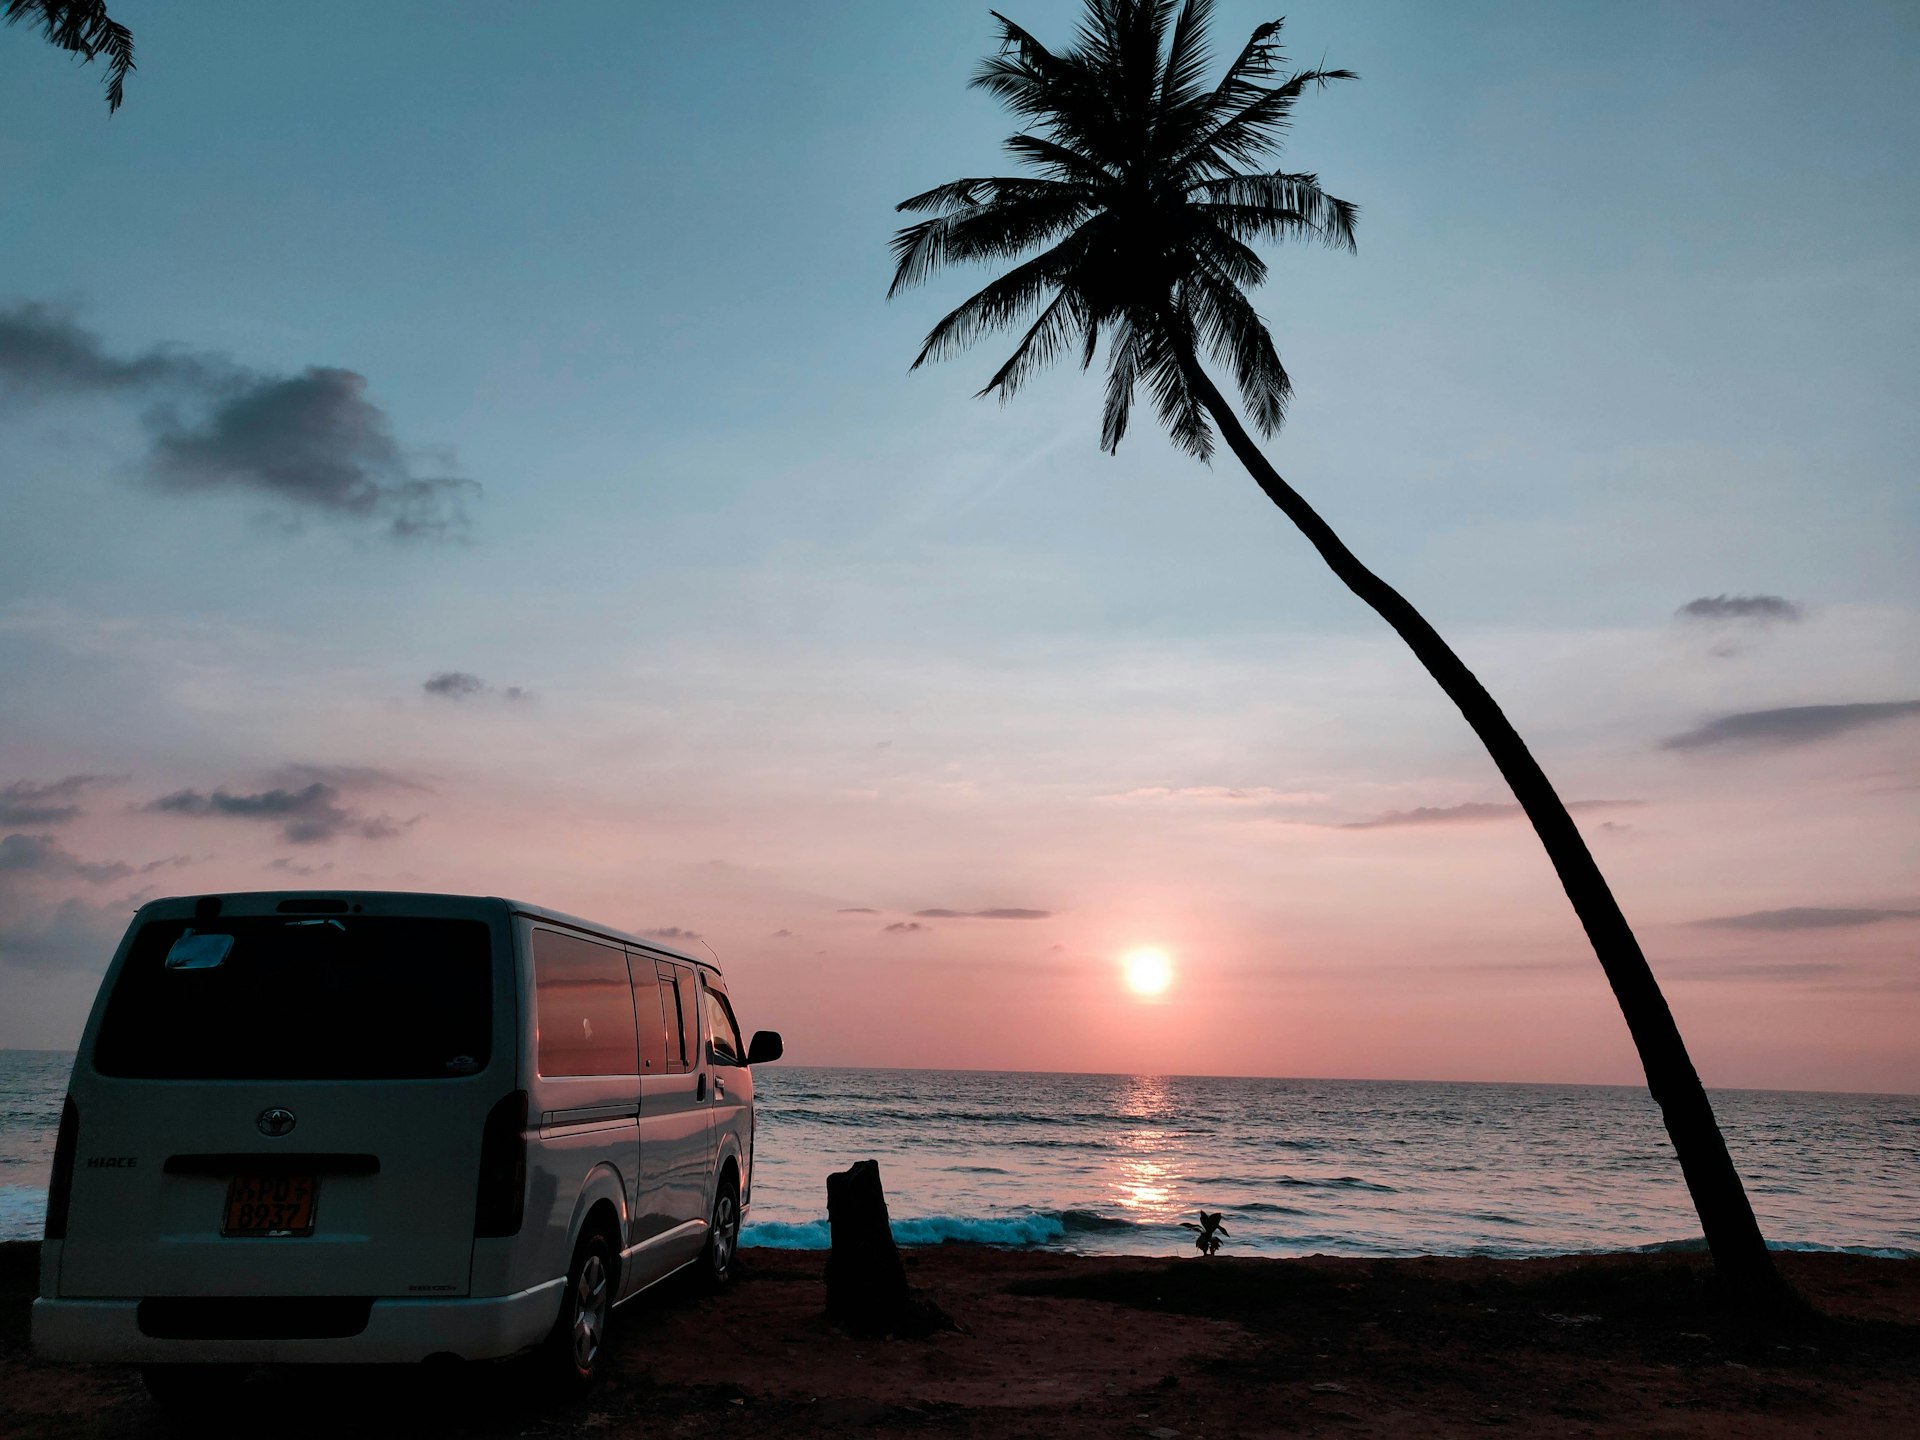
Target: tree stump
{"type": "Point", "coordinates": [867, 1290]}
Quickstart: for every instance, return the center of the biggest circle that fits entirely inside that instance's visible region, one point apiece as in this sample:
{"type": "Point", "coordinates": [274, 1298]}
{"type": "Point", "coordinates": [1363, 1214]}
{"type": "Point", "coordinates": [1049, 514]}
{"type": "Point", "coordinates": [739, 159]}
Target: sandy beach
{"type": "Point", "coordinates": [1066, 1346]}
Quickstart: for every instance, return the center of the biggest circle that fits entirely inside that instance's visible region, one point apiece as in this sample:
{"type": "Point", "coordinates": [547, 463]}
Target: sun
{"type": "Point", "coordinates": [1148, 972]}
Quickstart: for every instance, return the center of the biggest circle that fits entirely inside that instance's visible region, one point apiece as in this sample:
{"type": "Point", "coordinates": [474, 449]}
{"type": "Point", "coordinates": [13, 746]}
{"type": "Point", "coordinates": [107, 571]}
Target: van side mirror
{"type": "Point", "coordinates": [765, 1047]}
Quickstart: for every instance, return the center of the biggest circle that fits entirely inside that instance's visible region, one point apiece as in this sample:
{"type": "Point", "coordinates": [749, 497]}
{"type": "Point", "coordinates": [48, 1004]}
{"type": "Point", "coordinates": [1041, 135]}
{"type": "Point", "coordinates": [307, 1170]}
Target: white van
{"type": "Point", "coordinates": [373, 1126]}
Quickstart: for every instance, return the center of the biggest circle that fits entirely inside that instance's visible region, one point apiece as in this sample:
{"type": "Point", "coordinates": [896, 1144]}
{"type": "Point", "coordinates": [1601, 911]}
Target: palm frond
{"type": "Point", "coordinates": [1186, 61]}
{"type": "Point", "coordinates": [997, 304]}
{"type": "Point", "coordinates": [1122, 369]}
{"type": "Point", "coordinates": [1043, 342]}
{"type": "Point", "coordinates": [1233, 333]}
{"type": "Point", "coordinates": [1279, 206]}
{"type": "Point", "coordinates": [83, 28]}
{"type": "Point", "coordinates": [1164, 351]}
{"type": "Point", "coordinates": [1256, 127]}
{"type": "Point", "coordinates": [989, 231]}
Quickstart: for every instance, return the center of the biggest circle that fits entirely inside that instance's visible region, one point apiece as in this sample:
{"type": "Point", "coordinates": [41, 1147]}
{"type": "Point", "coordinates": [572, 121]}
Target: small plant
{"type": "Point", "coordinates": [1207, 1233]}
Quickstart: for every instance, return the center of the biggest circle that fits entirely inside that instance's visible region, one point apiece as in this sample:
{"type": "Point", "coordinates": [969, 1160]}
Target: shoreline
{"type": "Point", "coordinates": [1078, 1347]}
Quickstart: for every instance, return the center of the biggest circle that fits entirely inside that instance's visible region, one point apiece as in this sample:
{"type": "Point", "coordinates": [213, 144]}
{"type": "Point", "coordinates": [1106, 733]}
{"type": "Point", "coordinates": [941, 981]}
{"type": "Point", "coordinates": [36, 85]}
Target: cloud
{"type": "Point", "coordinates": [294, 867]}
{"type": "Point", "coordinates": [1214, 795]}
{"type": "Point", "coordinates": [904, 927]}
{"type": "Point", "coordinates": [43, 350]}
{"type": "Point", "coordinates": [53, 802]}
{"type": "Point", "coordinates": [312, 442]}
{"type": "Point", "coordinates": [454, 684]}
{"type": "Point", "coordinates": [1789, 725]}
{"type": "Point", "coordinates": [785, 935]}
{"type": "Point", "coordinates": [346, 777]}
{"type": "Point", "coordinates": [857, 910]}
{"type": "Point", "coordinates": [673, 932]}
{"type": "Point", "coordinates": [1807, 917]}
{"type": "Point", "coordinates": [310, 815]}
{"type": "Point", "coordinates": [42, 855]}
{"type": "Point", "coordinates": [1756, 609]}
{"type": "Point", "coordinates": [1468, 814]}
{"type": "Point", "coordinates": [1001, 913]}
{"type": "Point", "coordinates": [464, 685]}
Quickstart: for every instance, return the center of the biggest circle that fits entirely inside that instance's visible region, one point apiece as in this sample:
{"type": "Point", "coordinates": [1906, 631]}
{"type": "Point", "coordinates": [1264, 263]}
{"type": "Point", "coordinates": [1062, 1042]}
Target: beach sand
{"type": "Point", "coordinates": [1065, 1346]}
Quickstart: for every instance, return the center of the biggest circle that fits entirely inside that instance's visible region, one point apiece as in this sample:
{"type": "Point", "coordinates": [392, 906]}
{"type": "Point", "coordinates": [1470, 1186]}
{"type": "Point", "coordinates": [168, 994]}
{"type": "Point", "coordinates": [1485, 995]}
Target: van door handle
{"type": "Point", "coordinates": [700, 1089]}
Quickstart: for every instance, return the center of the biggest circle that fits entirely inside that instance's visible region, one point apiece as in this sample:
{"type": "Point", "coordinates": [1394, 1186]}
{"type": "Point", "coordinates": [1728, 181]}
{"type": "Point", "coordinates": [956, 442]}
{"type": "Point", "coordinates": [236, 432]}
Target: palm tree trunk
{"type": "Point", "coordinates": [1740, 1255]}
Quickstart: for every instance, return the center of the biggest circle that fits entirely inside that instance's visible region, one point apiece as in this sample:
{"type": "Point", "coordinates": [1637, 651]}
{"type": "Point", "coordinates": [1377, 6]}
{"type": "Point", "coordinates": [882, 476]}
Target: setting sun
{"type": "Point", "coordinates": [1148, 971]}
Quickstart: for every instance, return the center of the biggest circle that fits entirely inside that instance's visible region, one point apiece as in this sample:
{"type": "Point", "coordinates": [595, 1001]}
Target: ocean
{"type": "Point", "coordinates": [1111, 1164]}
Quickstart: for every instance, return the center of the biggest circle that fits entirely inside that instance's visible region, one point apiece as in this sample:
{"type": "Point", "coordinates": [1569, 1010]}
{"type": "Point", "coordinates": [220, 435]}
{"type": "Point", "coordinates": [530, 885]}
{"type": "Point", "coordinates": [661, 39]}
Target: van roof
{"type": "Point", "coordinates": [268, 902]}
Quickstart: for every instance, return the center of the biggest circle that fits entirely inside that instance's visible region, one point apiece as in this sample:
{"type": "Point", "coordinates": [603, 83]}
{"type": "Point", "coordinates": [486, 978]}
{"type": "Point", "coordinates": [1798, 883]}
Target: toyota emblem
{"type": "Point", "coordinates": [275, 1122]}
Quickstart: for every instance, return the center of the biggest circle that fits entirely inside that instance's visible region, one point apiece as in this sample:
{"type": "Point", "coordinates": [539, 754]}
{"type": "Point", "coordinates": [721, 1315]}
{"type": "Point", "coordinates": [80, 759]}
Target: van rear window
{"type": "Point", "coordinates": [301, 998]}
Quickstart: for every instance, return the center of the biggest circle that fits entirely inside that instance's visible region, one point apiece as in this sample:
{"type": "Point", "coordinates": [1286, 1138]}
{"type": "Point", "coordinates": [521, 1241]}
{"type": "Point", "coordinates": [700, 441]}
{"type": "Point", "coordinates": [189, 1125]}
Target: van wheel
{"type": "Point", "coordinates": [579, 1339]}
{"type": "Point", "coordinates": [723, 1235]}
{"type": "Point", "coordinates": [192, 1387]}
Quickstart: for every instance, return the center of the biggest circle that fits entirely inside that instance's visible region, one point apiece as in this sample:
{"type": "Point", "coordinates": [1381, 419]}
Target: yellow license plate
{"type": "Point", "coordinates": [270, 1205]}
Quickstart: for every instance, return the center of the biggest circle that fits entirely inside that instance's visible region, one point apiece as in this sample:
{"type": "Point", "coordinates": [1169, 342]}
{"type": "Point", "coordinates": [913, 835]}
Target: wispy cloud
{"type": "Point", "coordinates": [903, 927]}
{"type": "Point", "coordinates": [1789, 725]}
{"type": "Point", "coordinates": [49, 802]}
{"type": "Point", "coordinates": [1004, 912]}
{"type": "Point", "coordinates": [1471, 813]}
{"type": "Point", "coordinates": [307, 814]}
{"type": "Point", "coordinates": [1214, 795]}
{"type": "Point", "coordinates": [295, 867]}
{"type": "Point", "coordinates": [464, 685]}
{"type": "Point", "coordinates": [44, 856]}
{"type": "Point", "coordinates": [1757, 609]}
{"type": "Point", "coordinates": [672, 932]}
{"type": "Point", "coordinates": [312, 442]}
{"type": "Point", "coordinates": [856, 910]}
{"type": "Point", "coordinates": [1807, 917]}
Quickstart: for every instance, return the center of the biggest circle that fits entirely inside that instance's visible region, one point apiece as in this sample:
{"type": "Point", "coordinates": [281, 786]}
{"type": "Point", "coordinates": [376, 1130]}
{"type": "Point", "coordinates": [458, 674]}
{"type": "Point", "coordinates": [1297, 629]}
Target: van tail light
{"type": "Point", "coordinates": [502, 1201]}
{"type": "Point", "coordinates": [60, 1187]}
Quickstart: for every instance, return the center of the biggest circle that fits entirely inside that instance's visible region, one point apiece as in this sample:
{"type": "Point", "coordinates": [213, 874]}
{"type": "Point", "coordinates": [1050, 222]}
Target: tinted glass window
{"type": "Point", "coordinates": [651, 1015]}
{"type": "Point", "coordinates": [683, 1023]}
{"type": "Point", "coordinates": [689, 992]}
{"type": "Point", "coordinates": [583, 1007]}
{"type": "Point", "coordinates": [298, 998]}
{"type": "Point", "coordinates": [724, 1034]}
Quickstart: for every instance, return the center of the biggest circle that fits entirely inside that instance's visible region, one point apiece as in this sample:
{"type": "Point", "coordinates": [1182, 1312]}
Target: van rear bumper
{"type": "Point", "coordinates": [397, 1332]}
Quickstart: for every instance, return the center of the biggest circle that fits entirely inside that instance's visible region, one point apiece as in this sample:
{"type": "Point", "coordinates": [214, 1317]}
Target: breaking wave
{"type": "Point", "coordinates": [1044, 1227]}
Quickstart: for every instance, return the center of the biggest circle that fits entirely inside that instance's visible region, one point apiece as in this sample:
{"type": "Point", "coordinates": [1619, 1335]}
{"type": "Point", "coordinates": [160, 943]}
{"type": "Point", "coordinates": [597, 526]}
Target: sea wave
{"type": "Point", "coordinates": [1040, 1227]}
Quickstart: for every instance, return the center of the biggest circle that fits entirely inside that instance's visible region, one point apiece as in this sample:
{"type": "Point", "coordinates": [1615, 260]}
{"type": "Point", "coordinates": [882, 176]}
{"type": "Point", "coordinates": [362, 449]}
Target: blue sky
{"type": "Point", "coordinates": [1632, 322]}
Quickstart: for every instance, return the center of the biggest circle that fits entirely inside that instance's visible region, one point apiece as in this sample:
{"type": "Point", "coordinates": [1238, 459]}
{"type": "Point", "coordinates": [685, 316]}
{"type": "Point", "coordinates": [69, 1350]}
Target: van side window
{"type": "Point", "coordinates": [647, 1009]}
{"type": "Point", "coordinates": [689, 992]}
{"type": "Point", "coordinates": [678, 997]}
{"type": "Point", "coordinates": [679, 1050]}
{"type": "Point", "coordinates": [583, 1007]}
{"type": "Point", "coordinates": [722, 1033]}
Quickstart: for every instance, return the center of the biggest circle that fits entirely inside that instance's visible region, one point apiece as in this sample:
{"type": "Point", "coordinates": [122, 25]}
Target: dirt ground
{"type": "Point", "coordinates": [1066, 1347]}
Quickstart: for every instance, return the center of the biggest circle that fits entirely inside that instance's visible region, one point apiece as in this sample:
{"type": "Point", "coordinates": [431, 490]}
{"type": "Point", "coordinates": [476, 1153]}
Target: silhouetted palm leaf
{"type": "Point", "coordinates": [84, 28]}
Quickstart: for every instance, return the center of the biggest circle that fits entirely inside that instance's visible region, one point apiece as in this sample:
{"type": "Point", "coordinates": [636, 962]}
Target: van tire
{"type": "Point", "coordinates": [723, 1236]}
{"type": "Point", "coordinates": [192, 1387]}
{"type": "Point", "coordinates": [574, 1352]}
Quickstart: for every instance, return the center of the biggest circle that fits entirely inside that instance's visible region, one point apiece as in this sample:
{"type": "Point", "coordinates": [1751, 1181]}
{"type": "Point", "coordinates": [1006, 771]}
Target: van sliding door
{"type": "Point", "coordinates": [675, 1138]}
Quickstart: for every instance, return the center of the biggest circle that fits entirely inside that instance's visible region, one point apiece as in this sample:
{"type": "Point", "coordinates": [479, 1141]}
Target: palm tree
{"type": "Point", "coordinates": [1143, 199]}
{"type": "Point", "coordinates": [84, 28]}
